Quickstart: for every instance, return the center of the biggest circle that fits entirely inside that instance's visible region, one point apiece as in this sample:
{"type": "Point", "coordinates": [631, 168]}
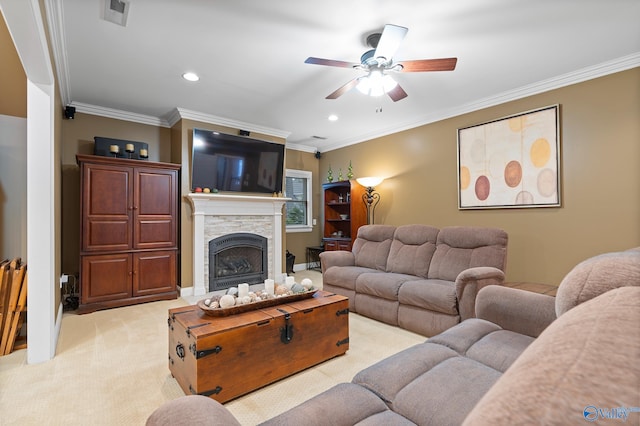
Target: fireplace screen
{"type": "Point", "coordinates": [237, 258]}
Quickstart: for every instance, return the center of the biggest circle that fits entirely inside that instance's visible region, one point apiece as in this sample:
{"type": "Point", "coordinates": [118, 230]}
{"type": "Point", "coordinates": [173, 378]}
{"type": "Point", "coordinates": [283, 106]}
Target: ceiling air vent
{"type": "Point", "coordinates": [116, 11]}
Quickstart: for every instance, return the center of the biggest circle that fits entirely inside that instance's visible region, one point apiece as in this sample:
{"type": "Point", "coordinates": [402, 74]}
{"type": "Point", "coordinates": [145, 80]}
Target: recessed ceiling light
{"type": "Point", "coordinates": [190, 76]}
{"type": "Point", "coordinates": [333, 117]}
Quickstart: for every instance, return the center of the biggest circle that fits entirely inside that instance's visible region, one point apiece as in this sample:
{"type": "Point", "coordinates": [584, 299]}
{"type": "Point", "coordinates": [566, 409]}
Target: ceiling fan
{"type": "Point", "coordinates": [378, 63]}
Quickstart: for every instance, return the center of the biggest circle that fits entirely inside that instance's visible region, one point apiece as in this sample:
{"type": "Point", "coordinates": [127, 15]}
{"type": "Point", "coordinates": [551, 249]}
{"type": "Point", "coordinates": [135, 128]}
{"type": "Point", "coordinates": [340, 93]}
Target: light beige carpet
{"type": "Point", "coordinates": [111, 368]}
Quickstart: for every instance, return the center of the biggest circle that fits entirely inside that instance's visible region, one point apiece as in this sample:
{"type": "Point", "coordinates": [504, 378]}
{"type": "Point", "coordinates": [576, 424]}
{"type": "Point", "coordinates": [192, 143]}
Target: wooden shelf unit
{"type": "Point", "coordinates": [342, 198]}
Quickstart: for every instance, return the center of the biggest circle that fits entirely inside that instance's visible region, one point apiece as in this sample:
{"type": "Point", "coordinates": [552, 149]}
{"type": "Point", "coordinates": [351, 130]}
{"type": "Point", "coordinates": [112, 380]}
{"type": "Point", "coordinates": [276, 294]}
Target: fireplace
{"type": "Point", "coordinates": [217, 215]}
{"type": "Point", "coordinates": [237, 258]}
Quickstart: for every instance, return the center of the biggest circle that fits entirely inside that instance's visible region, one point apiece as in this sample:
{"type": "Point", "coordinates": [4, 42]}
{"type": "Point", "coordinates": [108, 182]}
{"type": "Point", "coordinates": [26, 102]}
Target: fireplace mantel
{"type": "Point", "coordinates": [225, 205]}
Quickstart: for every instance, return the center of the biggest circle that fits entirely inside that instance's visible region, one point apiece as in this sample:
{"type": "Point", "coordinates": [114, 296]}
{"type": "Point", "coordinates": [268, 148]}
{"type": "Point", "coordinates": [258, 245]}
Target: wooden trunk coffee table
{"type": "Point", "coordinates": [225, 357]}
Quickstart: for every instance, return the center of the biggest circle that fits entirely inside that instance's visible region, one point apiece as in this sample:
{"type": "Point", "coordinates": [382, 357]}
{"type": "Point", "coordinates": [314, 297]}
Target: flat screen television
{"type": "Point", "coordinates": [235, 163]}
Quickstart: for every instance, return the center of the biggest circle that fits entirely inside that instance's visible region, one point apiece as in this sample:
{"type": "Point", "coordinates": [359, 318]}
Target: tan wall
{"type": "Point", "coordinates": [13, 81]}
{"type": "Point", "coordinates": [297, 242]}
{"type": "Point", "coordinates": [77, 138]}
{"type": "Point", "coordinates": [600, 167]}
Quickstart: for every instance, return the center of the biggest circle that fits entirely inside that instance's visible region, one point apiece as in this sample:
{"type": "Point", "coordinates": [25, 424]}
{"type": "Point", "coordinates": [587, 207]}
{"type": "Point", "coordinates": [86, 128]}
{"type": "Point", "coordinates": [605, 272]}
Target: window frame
{"type": "Point", "coordinates": [302, 174]}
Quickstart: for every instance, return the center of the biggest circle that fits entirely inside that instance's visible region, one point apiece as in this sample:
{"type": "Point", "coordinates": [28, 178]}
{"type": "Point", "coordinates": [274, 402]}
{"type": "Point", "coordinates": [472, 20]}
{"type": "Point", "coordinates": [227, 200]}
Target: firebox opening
{"type": "Point", "coordinates": [237, 258]}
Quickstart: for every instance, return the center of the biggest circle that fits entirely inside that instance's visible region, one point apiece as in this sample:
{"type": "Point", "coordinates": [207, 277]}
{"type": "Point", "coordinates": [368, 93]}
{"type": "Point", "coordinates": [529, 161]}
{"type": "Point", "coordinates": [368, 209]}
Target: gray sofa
{"type": "Point", "coordinates": [418, 277]}
{"type": "Point", "coordinates": [526, 359]}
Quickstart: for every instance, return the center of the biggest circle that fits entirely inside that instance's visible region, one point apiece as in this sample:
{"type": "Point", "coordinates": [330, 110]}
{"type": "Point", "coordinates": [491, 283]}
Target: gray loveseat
{"type": "Point", "coordinates": [418, 277]}
{"type": "Point", "coordinates": [527, 359]}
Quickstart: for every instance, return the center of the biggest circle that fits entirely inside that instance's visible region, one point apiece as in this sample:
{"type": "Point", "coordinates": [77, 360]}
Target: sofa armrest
{"type": "Point", "coordinates": [516, 310]}
{"type": "Point", "coordinates": [192, 410]}
{"type": "Point", "coordinates": [336, 258]}
{"type": "Point", "coordinates": [469, 282]}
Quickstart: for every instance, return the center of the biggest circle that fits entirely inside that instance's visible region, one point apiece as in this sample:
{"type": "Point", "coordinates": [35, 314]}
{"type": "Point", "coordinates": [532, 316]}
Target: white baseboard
{"type": "Point", "coordinates": [299, 267]}
{"type": "Point", "coordinates": [186, 291]}
{"type": "Point", "coordinates": [56, 329]}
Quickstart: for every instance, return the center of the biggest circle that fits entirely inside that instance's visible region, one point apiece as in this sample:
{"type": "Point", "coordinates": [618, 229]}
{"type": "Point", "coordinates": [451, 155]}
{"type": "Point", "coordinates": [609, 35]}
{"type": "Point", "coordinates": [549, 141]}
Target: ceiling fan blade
{"type": "Point", "coordinates": [330, 62]}
{"type": "Point", "coordinates": [390, 40]}
{"type": "Point", "coordinates": [421, 65]}
{"type": "Point", "coordinates": [344, 89]}
{"type": "Point", "coordinates": [397, 93]}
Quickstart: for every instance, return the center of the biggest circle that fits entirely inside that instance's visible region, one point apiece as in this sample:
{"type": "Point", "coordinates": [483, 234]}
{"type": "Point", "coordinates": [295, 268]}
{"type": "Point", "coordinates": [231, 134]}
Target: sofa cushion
{"type": "Point", "coordinates": [585, 361]}
{"type": "Point", "coordinates": [411, 249]}
{"type": "Point", "coordinates": [343, 404]}
{"type": "Point", "coordinates": [462, 247]}
{"type": "Point", "coordinates": [484, 342]}
{"type": "Point", "coordinates": [462, 336]}
{"type": "Point", "coordinates": [434, 295]}
{"type": "Point", "coordinates": [389, 376]}
{"type": "Point", "coordinates": [445, 394]}
{"type": "Point", "coordinates": [499, 349]}
{"type": "Point", "coordinates": [371, 246]}
{"type": "Point", "coordinates": [344, 276]}
{"type": "Point", "coordinates": [385, 285]}
{"type": "Point", "coordinates": [597, 275]}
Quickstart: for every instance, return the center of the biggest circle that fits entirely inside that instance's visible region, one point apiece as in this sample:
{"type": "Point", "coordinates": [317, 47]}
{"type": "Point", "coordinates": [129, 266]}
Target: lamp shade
{"type": "Point", "coordinates": [370, 181]}
{"type": "Point", "coordinates": [376, 83]}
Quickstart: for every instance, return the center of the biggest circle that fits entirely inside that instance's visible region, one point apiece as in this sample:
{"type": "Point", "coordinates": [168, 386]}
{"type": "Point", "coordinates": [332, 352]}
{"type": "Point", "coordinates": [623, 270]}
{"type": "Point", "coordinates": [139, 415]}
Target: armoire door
{"type": "Point", "coordinates": [107, 202]}
{"type": "Point", "coordinates": [106, 277]}
{"type": "Point", "coordinates": [155, 209]}
{"type": "Point", "coordinates": [154, 272]}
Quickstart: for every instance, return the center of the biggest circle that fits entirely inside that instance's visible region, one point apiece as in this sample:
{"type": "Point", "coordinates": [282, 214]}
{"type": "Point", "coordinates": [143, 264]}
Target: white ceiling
{"type": "Point", "coordinates": [250, 57]}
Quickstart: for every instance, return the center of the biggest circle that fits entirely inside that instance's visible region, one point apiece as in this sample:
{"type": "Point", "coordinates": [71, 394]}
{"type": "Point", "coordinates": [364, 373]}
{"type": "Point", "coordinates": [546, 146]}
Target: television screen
{"type": "Point", "coordinates": [235, 163]}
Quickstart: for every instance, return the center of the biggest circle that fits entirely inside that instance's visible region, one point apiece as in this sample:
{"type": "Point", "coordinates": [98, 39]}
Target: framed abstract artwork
{"type": "Point", "coordinates": [511, 162]}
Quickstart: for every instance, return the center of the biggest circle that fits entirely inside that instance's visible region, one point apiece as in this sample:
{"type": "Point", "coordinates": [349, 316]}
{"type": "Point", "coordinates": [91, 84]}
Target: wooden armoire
{"type": "Point", "coordinates": [129, 222]}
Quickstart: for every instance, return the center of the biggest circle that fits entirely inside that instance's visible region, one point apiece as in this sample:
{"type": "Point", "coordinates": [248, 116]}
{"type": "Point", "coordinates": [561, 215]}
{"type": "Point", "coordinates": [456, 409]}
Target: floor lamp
{"type": "Point", "coordinates": [370, 198]}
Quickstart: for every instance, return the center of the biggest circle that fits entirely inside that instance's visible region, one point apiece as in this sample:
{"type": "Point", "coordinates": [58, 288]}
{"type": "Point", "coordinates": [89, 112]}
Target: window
{"type": "Point", "coordinates": [298, 210]}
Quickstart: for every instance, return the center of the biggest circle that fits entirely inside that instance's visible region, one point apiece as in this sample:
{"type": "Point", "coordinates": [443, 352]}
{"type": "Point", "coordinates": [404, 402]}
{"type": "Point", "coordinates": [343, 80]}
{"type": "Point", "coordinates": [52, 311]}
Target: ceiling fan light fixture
{"type": "Point", "coordinates": [378, 62]}
{"type": "Point", "coordinates": [376, 83]}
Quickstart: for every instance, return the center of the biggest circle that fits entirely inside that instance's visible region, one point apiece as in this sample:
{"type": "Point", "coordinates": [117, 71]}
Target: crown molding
{"type": "Point", "coordinates": [119, 114]}
{"type": "Point", "coordinates": [302, 148]}
{"type": "Point", "coordinates": [182, 113]}
{"type": "Point", "coordinates": [57, 38]}
{"type": "Point", "coordinates": [589, 73]}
